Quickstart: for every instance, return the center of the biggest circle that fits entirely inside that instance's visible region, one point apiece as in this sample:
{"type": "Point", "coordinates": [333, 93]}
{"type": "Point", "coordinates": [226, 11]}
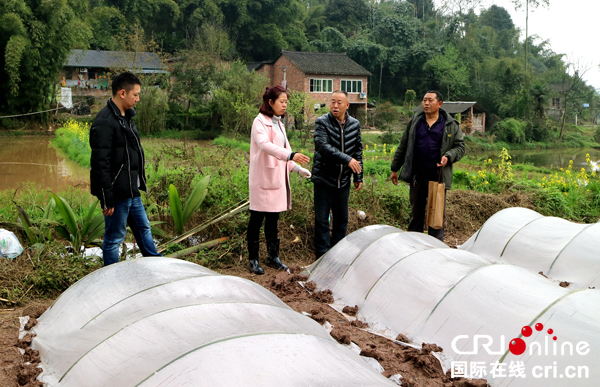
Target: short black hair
{"type": "Point", "coordinates": [437, 94]}
{"type": "Point", "coordinates": [125, 81]}
{"type": "Point", "coordinates": [340, 92]}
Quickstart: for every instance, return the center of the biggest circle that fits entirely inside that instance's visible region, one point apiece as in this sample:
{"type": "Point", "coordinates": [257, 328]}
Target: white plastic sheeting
{"type": "Point", "coordinates": [168, 322]}
{"type": "Point", "coordinates": [413, 284]}
{"type": "Point", "coordinates": [560, 249]}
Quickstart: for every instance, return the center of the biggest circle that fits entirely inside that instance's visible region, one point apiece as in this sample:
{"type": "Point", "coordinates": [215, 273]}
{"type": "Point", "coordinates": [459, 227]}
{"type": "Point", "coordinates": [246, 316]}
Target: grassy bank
{"type": "Point", "coordinates": [479, 190]}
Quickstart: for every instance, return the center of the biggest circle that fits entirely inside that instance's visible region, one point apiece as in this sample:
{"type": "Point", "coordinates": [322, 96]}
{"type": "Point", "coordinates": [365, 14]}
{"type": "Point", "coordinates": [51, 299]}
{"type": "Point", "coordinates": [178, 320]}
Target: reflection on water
{"type": "Point", "coordinates": [549, 158]}
{"type": "Point", "coordinates": [25, 159]}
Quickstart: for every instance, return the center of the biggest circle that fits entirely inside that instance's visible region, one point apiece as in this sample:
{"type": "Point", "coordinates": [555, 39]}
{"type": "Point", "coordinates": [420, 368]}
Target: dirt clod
{"type": "Point", "coordinates": [470, 383]}
{"type": "Point", "coordinates": [311, 286]}
{"type": "Point", "coordinates": [31, 356]}
{"type": "Point", "coordinates": [402, 338]}
{"type": "Point", "coordinates": [350, 310]}
{"type": "Point", "coordinates": [565, 284]}
{"type": "Point", "coordinates": [341, 335]}
{"type": "Point", "coordinates": [371, 352]}
{"type": "Point", "coordinates": [31, 323]}
{"type": "Point", "coordinates": [27, 373]}
{"type": "Point", "coordinates": [324, 296]}
{"type": "Point", "coordinates": [25, 341]}
{"type": "Point", "coordinates": [359, 324]}
{"type": "Point", "coordinates": [427, 348]}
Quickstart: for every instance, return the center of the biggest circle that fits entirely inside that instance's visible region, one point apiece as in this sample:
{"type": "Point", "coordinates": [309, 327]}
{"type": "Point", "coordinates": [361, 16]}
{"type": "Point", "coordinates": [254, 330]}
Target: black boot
{"type": "Point", "coordinates": [254, 264]}
{"type": "Point", "coordinates": [273, 250]}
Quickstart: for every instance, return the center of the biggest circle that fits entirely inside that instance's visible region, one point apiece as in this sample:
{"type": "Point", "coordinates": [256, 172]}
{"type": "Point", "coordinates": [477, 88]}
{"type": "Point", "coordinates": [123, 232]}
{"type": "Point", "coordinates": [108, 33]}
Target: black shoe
{"type": "Point", "coordinates": [273, 251]}
{"type": "Point", "coordinates": [253, 252]}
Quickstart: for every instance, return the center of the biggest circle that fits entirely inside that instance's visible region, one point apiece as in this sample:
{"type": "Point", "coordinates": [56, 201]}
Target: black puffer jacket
{"type": "Point", "coordinates": [335, 146]}
{"type": "Point", "coordinates": [117, 156]}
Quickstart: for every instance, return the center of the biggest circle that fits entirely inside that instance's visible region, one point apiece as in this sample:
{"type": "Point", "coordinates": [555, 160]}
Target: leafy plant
{"type": "Point", "coordinates": [38, 232]}
{"type": "Point", "coordinates": [80, 235]}
{"type": "Point", "coordinates": [182, 215]}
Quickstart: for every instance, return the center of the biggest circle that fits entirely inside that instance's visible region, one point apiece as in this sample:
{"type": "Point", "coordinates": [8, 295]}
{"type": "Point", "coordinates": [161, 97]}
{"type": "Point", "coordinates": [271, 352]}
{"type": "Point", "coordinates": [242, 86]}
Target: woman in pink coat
{"type": "Point", "coordinates": [271, 161]}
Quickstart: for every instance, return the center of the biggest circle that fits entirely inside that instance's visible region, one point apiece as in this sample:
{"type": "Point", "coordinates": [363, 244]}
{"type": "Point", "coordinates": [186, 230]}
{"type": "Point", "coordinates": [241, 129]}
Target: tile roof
{"type": "Point", "coordinates": [330, 63]}
{"type": "Point", "coordinates": [114, 59]}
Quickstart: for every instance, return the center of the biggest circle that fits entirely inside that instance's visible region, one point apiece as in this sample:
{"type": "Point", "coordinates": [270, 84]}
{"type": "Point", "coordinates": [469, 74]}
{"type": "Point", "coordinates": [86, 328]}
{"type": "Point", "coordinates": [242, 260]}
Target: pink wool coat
{"type": "Point", "coordinates": [269, 177]}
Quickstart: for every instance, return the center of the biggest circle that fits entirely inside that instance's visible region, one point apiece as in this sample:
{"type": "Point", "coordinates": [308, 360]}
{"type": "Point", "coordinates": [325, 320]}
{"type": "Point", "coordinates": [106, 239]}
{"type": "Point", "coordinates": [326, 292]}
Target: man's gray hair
{"type": "Point", "coordinates": [340, 92]}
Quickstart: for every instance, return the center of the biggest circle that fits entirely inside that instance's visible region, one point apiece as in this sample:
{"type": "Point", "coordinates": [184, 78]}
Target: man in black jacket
{"type": "Point", "coordinates": [338, 156]}
{"type": "Point", "coordinates": [117, 173]}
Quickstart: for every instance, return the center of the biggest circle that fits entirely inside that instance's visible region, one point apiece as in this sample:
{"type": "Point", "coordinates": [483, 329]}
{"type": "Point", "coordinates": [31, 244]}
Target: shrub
{"type": "Point", "coordinates": [151, 111]}
{"type": "Point", "coordinates": [511, 130]}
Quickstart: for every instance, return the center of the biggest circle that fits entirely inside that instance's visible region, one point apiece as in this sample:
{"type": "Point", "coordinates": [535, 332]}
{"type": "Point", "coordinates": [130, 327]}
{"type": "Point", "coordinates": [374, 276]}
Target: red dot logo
{"type": "Point", "coordinates": [526, 331]}
{"type": "Point", "coordinates": [550, 331]}
{"type": "Point", "coordinates": [539, 327]}
{"type": "Point", "coordinates": [554, 338]}
{"type": "Point", "coordinates": [517, 346]}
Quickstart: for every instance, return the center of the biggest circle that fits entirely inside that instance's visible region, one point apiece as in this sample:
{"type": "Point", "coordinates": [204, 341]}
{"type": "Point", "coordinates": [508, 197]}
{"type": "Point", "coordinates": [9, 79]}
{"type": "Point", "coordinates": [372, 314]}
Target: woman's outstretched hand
{"type": "Point", "coordinates": [300, 158]}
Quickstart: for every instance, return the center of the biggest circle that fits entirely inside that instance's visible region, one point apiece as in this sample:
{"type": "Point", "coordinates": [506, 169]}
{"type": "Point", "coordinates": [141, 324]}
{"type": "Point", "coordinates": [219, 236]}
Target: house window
{"type": "Point", "coordinates": [556, 103]}
{"type": "Point", "coordinates": [321, 85]}
{"type": "Point", "coordinates": [351, 86]}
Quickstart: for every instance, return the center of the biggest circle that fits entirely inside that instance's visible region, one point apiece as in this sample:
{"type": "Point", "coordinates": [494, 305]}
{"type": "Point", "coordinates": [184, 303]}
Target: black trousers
{"type": "Point", "coordinates": [335, 200]}
{"type": "Point", "coordinates": [256, 220]}
{"type": "Point", "coordinates": [419, 190]}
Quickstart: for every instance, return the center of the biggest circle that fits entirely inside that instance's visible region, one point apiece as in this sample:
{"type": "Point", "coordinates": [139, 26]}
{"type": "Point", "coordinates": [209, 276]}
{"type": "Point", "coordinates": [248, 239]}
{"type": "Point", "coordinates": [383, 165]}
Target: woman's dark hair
{"type": "Point", "coordinates": [271, 93]}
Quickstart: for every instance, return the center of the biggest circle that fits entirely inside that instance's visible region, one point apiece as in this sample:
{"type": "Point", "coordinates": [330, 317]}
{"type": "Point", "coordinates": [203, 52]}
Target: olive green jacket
{"type": "Point", "coordinates": [453, 147]}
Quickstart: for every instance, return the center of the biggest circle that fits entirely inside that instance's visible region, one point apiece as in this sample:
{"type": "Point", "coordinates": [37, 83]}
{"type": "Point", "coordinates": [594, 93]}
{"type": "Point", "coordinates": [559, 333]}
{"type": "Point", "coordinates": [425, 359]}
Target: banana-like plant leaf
{"type": "Point", "coordinates": [88, 217]}
{"type": "Point", "coordinates": [95, 229]}
{"type": "Point", "coordinates": [176, 212]}
{"type": "Point", "coordinates": [27, 225]}
{"type": "Point", "coordinates": [195, 200]}
{"type": "Point", "coordinates": [159, 232]}
{"type": "Point", "coordinates": [49, 209]}
{"type": "Point", "coordinates": [12, 226]}
{"type": "Point", "coordinates": [62, 231]}
{"type": "Point", "coordinates": [68, 216]}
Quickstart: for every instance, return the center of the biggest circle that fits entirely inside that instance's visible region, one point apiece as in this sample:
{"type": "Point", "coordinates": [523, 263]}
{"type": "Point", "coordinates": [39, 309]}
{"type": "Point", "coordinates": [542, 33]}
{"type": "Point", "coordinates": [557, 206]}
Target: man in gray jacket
{"type": "Point", "coordinates": [432, 140]}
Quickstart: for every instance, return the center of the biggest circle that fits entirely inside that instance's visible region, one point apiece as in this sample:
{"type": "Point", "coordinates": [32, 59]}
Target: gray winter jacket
{"type": "Point", "coordinates": [453, 147]}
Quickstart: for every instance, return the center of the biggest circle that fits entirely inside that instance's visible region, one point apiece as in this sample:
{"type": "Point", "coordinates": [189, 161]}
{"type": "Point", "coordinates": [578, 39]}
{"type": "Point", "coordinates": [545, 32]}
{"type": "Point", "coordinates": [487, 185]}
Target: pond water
{"type": "Point", "coordinates": [548, 158]}
{"type": "Point", "coordinates": [33, 159]}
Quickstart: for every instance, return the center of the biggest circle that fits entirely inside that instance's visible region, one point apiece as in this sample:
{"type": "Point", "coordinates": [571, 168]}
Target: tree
{"type": "Point", "coordinates": [194, 71]}
{"type": "Point", "coordinates": [535, 4]}
{"type": "Point", "coordinates": [409, 97]}
{"type": "Point", "coordinates": [35, 39]}
{"type": "Point", "coordinates": [539, 92]}
{"type": "Point", "coordinates": [569, 83]}
{"type": "Point", "coordinates": [449, 71]}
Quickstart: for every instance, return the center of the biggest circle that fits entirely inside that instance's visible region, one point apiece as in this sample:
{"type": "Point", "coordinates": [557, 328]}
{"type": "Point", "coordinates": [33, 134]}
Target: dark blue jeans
{"type": "Point", "coordinates": [335, 200]}
{"type": "Point", "coordinates": [128, 211]}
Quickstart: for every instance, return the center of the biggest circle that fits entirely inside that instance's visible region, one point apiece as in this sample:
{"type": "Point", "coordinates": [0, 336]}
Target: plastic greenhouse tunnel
{"type": "Point", "coordinates": [167, 322]}
{"type": "Point", "coordinates": [560, 249]}
{"type": "Point", "coordinates": [491, 314]}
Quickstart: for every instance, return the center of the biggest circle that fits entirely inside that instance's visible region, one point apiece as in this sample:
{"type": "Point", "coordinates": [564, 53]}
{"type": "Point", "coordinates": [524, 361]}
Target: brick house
{"type": "Point", "coordinates": [318, 73]}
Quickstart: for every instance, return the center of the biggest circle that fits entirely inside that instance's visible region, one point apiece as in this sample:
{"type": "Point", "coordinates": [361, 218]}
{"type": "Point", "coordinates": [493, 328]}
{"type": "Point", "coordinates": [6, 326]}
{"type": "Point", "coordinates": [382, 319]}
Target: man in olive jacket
{"type": "Point", "coordinates": [338, 157]}
{"type": "Point", "coordinates": [117, 170]}
{"type": "Point", "coordinates": [432, 140]}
